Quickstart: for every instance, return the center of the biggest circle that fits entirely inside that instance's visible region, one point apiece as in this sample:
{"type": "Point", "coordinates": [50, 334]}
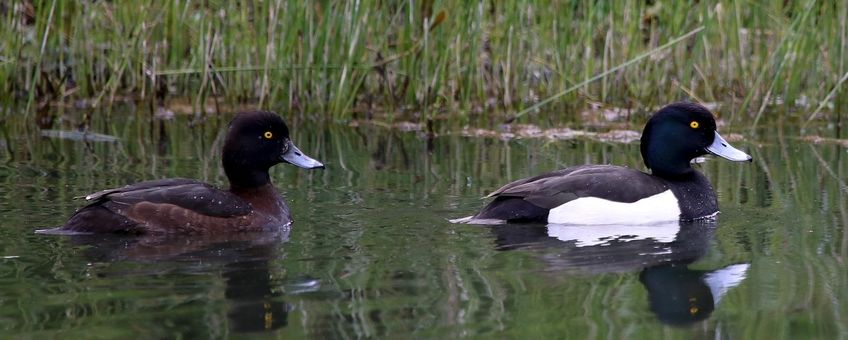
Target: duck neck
{"type": "Point", "coordinates": [674, 170]}
{"type": "Point", "coordinates": [666, 159]}
{"type": "Point", "coordinates": [244, 176]}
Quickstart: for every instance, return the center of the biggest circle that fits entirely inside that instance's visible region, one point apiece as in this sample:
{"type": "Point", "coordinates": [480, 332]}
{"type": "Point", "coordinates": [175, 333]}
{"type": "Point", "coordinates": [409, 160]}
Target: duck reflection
{"type": "Point", "coordinates": [678, 295]}
{"type": "Point", "coordinates": [242, 259]}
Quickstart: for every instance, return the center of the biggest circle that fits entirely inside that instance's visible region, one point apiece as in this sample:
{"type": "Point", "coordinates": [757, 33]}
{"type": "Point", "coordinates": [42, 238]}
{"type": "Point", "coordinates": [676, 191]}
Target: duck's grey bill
{"type": "Point", "coordinates": [723, 149]}
{"type": "Point", "coordinates": [297, 158]}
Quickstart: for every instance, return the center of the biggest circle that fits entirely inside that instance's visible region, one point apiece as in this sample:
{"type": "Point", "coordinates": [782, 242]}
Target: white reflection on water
{"type": "Point", "coordinates": [601, 235]}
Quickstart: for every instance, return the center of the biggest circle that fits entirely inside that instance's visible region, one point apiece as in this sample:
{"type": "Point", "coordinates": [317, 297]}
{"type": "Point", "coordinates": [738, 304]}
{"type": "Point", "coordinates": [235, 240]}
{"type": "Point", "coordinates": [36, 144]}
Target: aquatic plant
{"type": "Point", "coordinates": [429, 59]}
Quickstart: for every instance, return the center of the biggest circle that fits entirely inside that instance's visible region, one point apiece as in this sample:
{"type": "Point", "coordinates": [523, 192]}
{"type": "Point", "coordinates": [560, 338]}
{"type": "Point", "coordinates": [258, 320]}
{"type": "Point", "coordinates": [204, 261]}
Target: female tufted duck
{"type": "Point", "coordinates": [605, 194]}
{"type": "Point", "coordinates": [255, 142]}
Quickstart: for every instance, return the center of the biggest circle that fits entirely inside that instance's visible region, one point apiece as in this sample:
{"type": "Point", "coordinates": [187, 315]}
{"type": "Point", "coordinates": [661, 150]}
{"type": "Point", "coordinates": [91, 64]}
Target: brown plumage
{"type": "Point", "coordinates": [255, 141]}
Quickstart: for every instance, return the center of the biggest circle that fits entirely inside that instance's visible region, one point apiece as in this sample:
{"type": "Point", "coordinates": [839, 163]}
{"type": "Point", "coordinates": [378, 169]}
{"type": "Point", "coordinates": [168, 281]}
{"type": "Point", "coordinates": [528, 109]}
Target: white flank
{"type": "Point", "coordinates": [720, 281]}
{"type": "Point", "coordinates": [661, 207]}
{"type": "Point", "coordinates": [604, 234]}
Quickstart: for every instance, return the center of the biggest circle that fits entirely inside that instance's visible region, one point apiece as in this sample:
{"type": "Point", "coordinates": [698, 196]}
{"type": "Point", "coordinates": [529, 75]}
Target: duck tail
{"type": "Point", "coordinates": [60, 231]}
{"type": "Point", "coordinates": [472, 220]}
{"type": "Point", "coordinates": [463, 220]}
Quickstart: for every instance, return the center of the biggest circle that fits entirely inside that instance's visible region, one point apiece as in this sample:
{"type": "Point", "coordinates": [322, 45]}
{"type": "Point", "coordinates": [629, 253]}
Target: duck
{"type": "Point", "coordinates": [615, 195]}
{"type": "Point", "coordinates": [255, 141]}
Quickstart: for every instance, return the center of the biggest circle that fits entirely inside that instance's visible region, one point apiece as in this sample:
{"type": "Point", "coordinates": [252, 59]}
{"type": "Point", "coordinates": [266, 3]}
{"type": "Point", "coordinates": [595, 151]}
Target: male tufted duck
{"type": "Point", "coordinates": [606, 194]}
{"type": "Point", "coordinates": [256, 141]}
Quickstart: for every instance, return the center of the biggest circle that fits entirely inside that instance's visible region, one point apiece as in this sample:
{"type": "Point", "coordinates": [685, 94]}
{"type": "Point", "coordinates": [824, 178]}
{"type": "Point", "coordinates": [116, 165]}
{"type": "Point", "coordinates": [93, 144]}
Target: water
{"type": "Point", "coordinates": [371, 253]}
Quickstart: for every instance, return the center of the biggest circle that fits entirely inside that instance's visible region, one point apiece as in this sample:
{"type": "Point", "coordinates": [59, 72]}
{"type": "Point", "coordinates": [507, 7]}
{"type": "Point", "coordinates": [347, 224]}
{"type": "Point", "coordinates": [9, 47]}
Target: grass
{"type": "Point", "coordinates": [491, 60]}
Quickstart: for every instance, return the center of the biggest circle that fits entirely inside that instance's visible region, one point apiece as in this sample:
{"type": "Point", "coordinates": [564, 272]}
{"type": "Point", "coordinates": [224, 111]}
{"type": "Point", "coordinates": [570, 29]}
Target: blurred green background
{"type": "Point", "coordinates": [429, 60]}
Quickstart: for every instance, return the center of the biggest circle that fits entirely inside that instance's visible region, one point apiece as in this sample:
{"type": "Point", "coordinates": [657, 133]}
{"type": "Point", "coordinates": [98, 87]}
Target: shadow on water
{"type": "Point", "coordinates": [662, 253]}
{"type": "Point", "coordinates": [254, 297]}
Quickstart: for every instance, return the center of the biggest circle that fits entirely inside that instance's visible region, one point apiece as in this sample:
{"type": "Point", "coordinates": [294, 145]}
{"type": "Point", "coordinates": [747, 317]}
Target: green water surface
{"type": "Point", "coordinates": [371, 253]}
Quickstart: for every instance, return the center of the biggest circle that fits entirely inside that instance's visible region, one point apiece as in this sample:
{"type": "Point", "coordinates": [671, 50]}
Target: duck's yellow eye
{"type": "Point", "coordinates": [694, 124]}
{"type": "Point", "coordinates": [268, 135]}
